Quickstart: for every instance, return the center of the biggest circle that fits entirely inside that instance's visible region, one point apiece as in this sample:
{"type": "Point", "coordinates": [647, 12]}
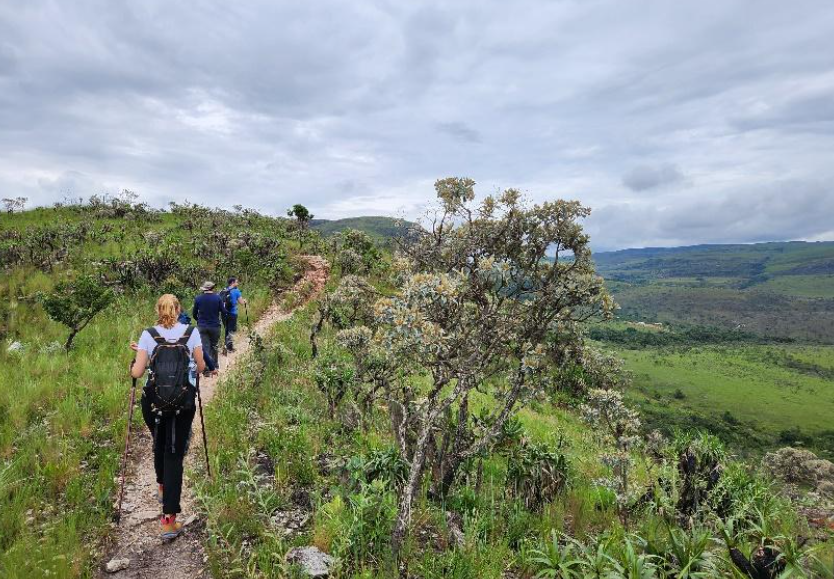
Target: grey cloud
{"type": "Point", "coordinates": [647, 177]}
{"type": "Point", "coordinates": [778, 211]}
{"type": "Point", "coordinates": [460, 131]}
{"type": "Point", "coordinates": [358, 107]}
{"type": "Point", "coordinates": [812, 113]}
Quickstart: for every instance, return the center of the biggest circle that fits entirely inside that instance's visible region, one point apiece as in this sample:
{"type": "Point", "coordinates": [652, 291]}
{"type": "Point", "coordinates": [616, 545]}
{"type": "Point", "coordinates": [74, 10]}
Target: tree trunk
{"type": "Point", "coordinates": [71, 337]}
{"type": "Point", "coordinates": [314, 333]}
{"type": "Point", "coordinates": [409, 490]}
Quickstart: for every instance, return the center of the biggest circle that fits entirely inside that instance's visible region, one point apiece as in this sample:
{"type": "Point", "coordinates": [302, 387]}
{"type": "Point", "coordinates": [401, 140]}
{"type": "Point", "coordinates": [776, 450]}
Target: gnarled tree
{"type": "Point", "coordinates": [490, 294]}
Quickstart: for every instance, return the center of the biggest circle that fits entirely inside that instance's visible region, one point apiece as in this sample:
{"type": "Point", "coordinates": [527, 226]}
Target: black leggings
{"type": "Point", "coordinates": [172, 435]}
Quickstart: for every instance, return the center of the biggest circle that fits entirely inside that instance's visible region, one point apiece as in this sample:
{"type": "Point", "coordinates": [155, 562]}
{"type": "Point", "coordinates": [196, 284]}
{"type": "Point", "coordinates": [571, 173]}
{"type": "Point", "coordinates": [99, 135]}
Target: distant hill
{"type": "Point", "coordinates": [780, 289]}
{"type": "Point", "coordinates": [377, 226]}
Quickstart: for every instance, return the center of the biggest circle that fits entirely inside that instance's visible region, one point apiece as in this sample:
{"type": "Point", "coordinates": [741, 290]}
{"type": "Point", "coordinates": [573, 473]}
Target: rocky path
{"type": "Point", "coordinates": [137, 551]}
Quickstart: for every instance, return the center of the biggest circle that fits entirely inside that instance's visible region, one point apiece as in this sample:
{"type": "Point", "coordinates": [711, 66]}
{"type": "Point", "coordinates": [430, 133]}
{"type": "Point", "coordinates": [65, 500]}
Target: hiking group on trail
{"type": "Point", "coordinates": [211, 310]}
{"type": "Point", "coordinates": [176, 355]}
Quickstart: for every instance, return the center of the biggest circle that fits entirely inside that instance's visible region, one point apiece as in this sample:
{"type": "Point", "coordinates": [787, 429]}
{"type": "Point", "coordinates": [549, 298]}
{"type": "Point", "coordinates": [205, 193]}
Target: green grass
{"type": "Point", "coordinates": [806, 286]}
{"type": "Point", "coordinates": [63, 415]}
{"type": "Point", "coordinates": [749, 395]}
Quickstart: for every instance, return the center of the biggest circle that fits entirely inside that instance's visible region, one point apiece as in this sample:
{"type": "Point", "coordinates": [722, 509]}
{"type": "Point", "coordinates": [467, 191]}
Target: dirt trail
{"type": "Point", "coordinates": [137, 537]}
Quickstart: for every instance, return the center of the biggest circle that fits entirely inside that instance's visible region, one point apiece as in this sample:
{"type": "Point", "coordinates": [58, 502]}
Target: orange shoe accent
{"type": "Point", "coordinates": [171, 529]}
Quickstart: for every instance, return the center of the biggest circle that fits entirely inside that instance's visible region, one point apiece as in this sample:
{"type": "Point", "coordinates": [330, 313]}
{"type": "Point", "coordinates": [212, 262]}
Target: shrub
{"type": "Point", "coordinates": [384, 465]}
{"type": "Point", "coordinates": [536, 474]}
{"type": "Point", "coordinates": [76, 303]}
{"type": "Point", "coordinates": [350, 262]}
{"type": "Point", "coordinates": [333, 377]}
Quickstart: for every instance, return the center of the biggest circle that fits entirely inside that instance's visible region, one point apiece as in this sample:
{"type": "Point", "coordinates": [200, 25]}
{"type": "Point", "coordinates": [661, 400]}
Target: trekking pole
{"type": "Point", "coordinates": [246, 307]}
{"type": "Point", "coordinates": [127, 446]}
{"type": "Point", "coordinates": [203, 426]}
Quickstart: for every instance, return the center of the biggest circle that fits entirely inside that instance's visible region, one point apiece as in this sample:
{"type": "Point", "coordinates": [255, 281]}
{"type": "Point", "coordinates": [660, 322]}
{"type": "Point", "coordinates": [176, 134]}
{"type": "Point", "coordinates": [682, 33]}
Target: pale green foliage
{"type": "Point", "coordinates": [605, 410]}
{"type": "Point", "coordinates": [481, 306]}
{"type": "Point", "coordinates": [358, 252]}
{"type": "Point", "coordinates": [352, 301]}
{"type": "Point", "coordinates": [350, 262]}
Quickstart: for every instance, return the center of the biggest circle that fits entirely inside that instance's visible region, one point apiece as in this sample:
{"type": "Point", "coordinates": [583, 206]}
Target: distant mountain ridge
{"type": "Point", "coordinates": [776, 289]}
{"type": "Point", "coordinates": [375, 225]}
{"type": "Point", "coordinates": [764, 260]}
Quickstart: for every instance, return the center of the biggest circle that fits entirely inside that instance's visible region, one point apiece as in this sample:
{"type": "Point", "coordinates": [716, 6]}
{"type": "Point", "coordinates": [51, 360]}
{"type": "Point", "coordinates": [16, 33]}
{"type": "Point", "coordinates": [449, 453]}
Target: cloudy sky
{"type": "Point", "coordinates": [677, 122]}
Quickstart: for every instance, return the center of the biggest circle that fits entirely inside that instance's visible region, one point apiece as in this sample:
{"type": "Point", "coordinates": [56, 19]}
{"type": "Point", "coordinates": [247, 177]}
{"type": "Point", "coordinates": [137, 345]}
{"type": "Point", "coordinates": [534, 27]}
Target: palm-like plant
{"type": "Point", "coordinates": [562, 560]}
{"type": "Point", "coordinates": [636, 564]}
{"type": "Point", "coordinates": [689, 554]}
{"type": "Point", "coordinates": [599, 562]}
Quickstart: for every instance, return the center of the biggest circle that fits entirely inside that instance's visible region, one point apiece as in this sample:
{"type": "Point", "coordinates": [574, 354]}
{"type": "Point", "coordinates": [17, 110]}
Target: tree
{"type": "Point", "coordinates": [302, 216]}
{"type": "Point", "coordinates": [489, 298]}
{"type": "Point", "coordinates": [302, 220]}
{"type": "Point", "coordinates": [14, 203]}
{"type": "Point", "coordinates": [76, 303]}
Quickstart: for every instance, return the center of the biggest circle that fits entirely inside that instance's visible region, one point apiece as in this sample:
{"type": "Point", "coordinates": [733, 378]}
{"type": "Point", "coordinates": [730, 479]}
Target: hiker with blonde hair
{"type": "Point", "coordinates": [169, 350]}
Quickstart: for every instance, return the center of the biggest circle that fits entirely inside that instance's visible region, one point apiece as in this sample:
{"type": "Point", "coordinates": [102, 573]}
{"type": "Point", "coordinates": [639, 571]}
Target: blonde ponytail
{"type": "Point", "coordinates": [167, 310]}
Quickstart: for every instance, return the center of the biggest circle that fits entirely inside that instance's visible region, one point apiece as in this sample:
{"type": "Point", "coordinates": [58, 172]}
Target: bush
{"type": "Point", "coordinates": [333, 378]}
{"type": "Point", "coordinates": [76, 303]}
{"type": "Point", "coordinates": [536, 474]}
{"type": "Point", "coordinates": [361, 529]}
{"type": "Point", "coordinates": [380, 465]}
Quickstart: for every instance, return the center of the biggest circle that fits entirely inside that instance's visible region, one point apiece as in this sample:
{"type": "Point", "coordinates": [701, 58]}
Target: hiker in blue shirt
{"type": "Point", "coordinates": [208, 307]}
{"type": "Point", "coordinates": [231, 298]}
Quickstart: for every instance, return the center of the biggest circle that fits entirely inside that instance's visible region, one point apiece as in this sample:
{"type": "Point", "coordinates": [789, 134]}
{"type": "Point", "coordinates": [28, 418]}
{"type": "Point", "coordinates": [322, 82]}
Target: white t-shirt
{"type": "Point", "coordinates": [147, 343]}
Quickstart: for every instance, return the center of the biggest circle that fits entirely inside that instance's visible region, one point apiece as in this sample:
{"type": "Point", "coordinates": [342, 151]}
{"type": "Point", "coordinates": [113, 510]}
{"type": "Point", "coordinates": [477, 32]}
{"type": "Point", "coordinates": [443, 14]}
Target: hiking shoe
{"type": "Point", "coordinates": [171, 529]}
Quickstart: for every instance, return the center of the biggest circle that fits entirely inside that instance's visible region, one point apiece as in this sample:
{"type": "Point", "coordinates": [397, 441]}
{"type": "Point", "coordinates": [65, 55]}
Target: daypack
{"type": "Point", "coordinates": [170, 389]}
{"type": "Point", "coordinates": [226, 298]}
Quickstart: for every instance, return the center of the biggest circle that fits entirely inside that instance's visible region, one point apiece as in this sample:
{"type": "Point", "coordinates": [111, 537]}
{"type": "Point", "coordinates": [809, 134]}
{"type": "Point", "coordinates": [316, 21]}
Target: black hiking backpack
{"type": "Point", "coordinates": [226, 299]}
{"type": "Point", "coordinates": [169, 386]}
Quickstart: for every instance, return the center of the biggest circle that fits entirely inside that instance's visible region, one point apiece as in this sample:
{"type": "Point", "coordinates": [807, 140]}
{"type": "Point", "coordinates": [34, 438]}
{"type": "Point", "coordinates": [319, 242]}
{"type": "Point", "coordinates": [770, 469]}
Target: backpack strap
{"type": "Point", "coordinates": [186, 336]}
{"type": "Point", "coordinates": [155, 335]}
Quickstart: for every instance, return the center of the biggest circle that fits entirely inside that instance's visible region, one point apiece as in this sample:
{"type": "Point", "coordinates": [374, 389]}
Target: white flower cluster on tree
{"type": "Point", "coordinates": [489, 298]}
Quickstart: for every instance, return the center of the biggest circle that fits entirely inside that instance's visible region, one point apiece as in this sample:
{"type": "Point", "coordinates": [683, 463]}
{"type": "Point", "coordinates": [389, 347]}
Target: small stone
{"type": "Point", "coordinates": [116, 565]}
{"type": "Point", "coordinates": [190, 520]}
{"type": "Point", "coordinates": [141, 517]}
{"type": "Point", "coordinates": [313, 561]}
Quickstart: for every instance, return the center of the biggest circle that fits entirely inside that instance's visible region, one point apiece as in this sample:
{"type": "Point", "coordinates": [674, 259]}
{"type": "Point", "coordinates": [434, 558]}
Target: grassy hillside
{"type": "Point", "coordinates": [63, 414]}
{"type": "Point", "coordinates": [723, 358]}
{"type": "Point", "coordinates": [753, 396]}
{"type": "Point", "coordinates": [771, 289]}
{"type": "Point", "coordinates": [293, 473]}
{"type": "Point", "coordinates": [376, 226]}
{"type": "Point", "coordinates": [294, 470]}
